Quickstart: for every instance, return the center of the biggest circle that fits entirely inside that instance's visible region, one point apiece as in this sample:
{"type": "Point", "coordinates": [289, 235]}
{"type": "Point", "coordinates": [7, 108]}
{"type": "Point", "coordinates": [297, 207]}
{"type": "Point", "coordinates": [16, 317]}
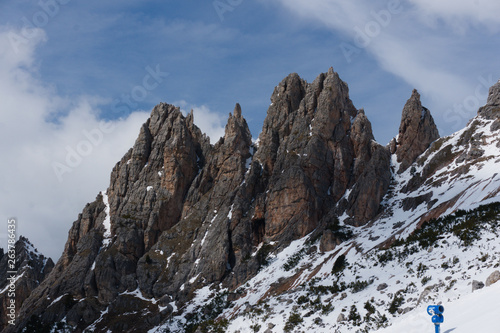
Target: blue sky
{"type": "Point", "coordinates": [69, 67]}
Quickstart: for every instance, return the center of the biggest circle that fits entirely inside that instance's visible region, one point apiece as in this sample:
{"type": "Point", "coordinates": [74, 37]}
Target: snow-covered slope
{"type": "Point", "coordinates": [459, 171]}
{"type": "Point", "coordinates": [476, 312]}
{"type": "Point", "coordinates": [371, 286]}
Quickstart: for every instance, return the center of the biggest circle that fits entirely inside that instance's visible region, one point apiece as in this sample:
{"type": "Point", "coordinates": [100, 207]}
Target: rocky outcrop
{"type": "Point", "coordinates": [416, 132]}
{"type": "Point", "coordinates": [491, 110]}
{"type": "Point", "coordinates": [493, 278]}
{"type": "Point", "coordinates": [31, 267]}
{"type": "Point", "coordinates": [181, 213]}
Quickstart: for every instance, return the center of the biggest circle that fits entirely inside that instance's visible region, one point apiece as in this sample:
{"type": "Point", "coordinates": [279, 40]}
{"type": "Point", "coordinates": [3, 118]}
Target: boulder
{"type": "Point", "coordinates": [476, 285]}
{"type": "Point", "coordinates": [493, 278]}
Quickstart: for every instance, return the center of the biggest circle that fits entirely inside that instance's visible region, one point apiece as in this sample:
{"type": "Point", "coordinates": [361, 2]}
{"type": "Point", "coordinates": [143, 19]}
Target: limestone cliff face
{"type": "Point", "coordinates": [181, 213]}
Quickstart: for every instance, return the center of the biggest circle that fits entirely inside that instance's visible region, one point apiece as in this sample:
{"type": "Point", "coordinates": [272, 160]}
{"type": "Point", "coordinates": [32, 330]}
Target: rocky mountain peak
{"type": "Point", "coordinates": [492, 108]}
{"type": "Point", "coordinates": [237, 111]}
{"type": "Point", "coordinates": [416, 132]}
{"type": "Point", "coordinates": [494, 94]}
{"type": "Point", "coordinates": [181, 213]}
{"type": "Point", "coordinates": [237, 129]}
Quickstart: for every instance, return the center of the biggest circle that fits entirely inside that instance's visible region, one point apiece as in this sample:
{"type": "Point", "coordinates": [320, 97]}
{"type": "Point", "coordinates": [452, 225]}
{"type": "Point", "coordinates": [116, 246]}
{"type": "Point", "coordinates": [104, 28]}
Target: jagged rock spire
{"type": "Point", "coordinates": [492, 108]}
{"type": "Point", "coordinates": [416, 132]}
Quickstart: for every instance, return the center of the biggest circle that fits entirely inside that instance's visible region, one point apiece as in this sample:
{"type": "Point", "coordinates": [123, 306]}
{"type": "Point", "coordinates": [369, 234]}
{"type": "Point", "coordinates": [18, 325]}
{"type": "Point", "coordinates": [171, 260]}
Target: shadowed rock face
{"type": "Point", "coordinates": [416, 132]}
{"type": "Point", "coordinates": [185, 213]}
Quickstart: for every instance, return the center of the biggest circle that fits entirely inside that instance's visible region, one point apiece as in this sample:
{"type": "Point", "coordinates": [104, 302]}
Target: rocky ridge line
{"type": "Point", "coordinates": [185, 214]}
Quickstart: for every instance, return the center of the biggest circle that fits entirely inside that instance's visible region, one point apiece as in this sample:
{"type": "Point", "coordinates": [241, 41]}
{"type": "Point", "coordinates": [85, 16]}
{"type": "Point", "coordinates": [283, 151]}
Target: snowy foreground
{"type": "Point", "coordinates": [476, 312]}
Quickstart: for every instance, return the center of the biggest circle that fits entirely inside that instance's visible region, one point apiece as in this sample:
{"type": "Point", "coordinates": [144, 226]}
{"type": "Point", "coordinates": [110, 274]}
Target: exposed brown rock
{"type": "Point", "coordinates": [416, 132]}
{"type": "Point", "coordinates": [328, 241]}
{"type": "Point", "coordinates": [493, 278]}
{"type": "Point", "coordinates": [371, 171]}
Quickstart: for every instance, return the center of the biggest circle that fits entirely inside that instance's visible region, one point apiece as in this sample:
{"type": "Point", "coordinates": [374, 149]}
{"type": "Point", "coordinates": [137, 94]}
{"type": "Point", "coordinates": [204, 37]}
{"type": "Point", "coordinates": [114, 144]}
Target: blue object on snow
{"type": "Point", "coordinates": [436, 311]}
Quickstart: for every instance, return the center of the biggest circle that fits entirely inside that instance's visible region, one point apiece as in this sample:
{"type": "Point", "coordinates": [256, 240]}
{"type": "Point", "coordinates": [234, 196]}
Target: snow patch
{"type": "Point", "coordinates": [107, 220]}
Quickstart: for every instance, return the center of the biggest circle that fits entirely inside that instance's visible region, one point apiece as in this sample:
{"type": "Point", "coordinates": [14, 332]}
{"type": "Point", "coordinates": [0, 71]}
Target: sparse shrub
{"type": "Point", "coordinates": [340, 232]}
{"type": "Point", "coordinates": [255, 328]}
{"type": "Point", "coordinates": [263, 254]}
{"type": "Point", "coordinates": [293, 321]}
{"type": "Point", "coordinates": [382, 321]}
{"type": "Point", "coordinates": [302, 299]}
{"type": "Point", "coordinates": [385, 256]}
{"type": "Point", "coordinates": [326, 309]}
{"type": "Point", "coordinates": [484, 257]}
{"type": "Point", "coordinates": [425, 279]}
{"type": "Point", "coordinates": [421, 268]}
{"type": "Point", "coordinates": [357, 286]}
{"type": "Point", "coordinates": [318, 321]}
{"type": "Point", "coordinates": [354, 316]}
{"type": "Point", "coordinates": [324, 290]}
{"type": "Point", "coordinates": [452, 283]}
{"type": "Point", "coordinates": [294, 260]}
{"type": "Point", "coordinates": [339, 265]}
{"type": "Point", "coordinates": [370, 310]}
{"type": "Point", "coordinates": [205, 319]}
{"type": "Point", "coordinates": [397, 301]}
{"type": "Point", "coordinates": [213, 326]}
{"type": "Point", "coordinates": [369, 307]}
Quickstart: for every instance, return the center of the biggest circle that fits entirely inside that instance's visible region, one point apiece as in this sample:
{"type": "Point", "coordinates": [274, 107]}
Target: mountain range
{"type": "Point", "coordinates": [314, 226]}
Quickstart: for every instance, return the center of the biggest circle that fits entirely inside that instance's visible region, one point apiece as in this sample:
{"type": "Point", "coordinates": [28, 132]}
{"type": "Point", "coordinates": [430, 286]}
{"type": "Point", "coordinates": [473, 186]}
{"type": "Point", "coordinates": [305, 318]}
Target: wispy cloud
{"type": "Point", "coordinates": [461, 14]}
{"type": "Point", "coordinates": [418, 41]}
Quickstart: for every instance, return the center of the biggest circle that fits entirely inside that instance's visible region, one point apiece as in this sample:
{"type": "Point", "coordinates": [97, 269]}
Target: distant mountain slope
{"type": "Point", "coordinates": [31, 267]}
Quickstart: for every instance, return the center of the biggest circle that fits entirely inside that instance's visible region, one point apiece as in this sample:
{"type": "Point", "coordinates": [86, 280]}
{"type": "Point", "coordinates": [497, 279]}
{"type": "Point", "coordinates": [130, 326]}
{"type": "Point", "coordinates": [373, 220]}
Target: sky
{"type": "Point", "coordinates": [78, 78]}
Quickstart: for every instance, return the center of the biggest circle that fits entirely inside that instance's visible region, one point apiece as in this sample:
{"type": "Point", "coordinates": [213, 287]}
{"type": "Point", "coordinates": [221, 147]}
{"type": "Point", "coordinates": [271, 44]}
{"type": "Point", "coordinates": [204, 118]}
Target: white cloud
{"type": "Point", "coordinates": [33, 145]}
